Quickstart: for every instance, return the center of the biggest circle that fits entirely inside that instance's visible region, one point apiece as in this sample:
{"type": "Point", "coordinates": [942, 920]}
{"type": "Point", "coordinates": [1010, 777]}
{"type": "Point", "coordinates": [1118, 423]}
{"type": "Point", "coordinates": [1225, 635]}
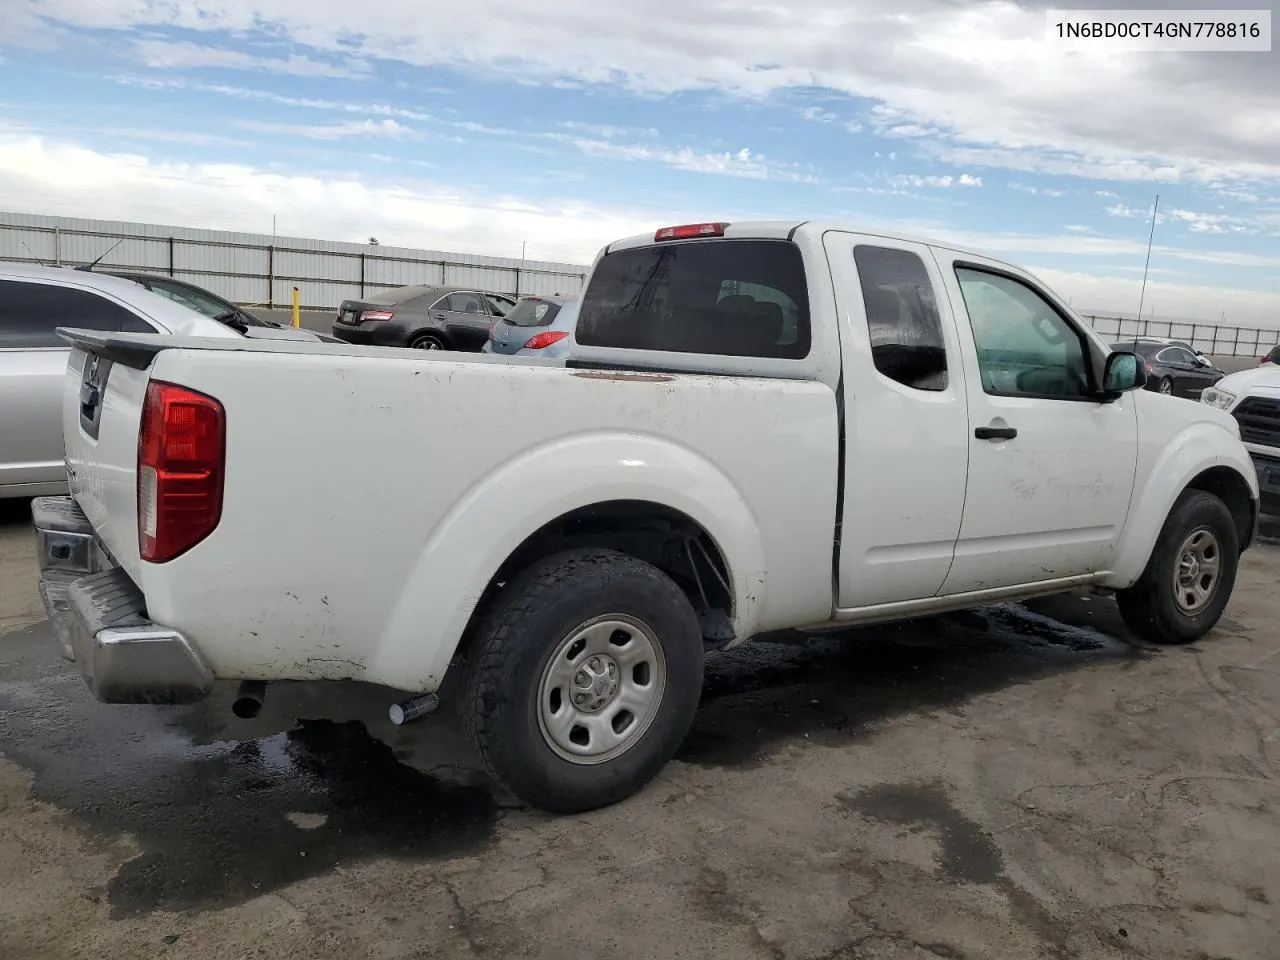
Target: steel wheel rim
{"type": "Point", "coordinates": [601, 689]}
{"type": "Point", "coordinates": [1198, 571]}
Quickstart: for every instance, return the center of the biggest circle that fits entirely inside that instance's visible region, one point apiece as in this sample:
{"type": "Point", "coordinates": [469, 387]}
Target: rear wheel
{"type": "Point", "coordinates": [427, 341]}
{"type": "Point", "coordinates": [1190, 576]}
{"type": "Point", "coordinates": [584, 680]}
{"type": "Point", "coordinates": [1165, 385]}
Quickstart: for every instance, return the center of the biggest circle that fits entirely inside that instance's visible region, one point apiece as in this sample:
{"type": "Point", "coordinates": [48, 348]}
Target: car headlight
{"type": "Point", "coordinates": [1222, 399]}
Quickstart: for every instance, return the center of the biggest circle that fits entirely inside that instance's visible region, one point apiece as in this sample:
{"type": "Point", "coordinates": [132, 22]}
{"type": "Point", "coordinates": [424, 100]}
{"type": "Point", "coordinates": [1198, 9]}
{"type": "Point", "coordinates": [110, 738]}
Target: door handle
{"type": "Point", "coordinates": [995, 433]}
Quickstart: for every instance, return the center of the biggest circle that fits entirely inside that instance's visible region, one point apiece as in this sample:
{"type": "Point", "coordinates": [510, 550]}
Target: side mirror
{"type": "Point", "coordinates": [1123, 372]}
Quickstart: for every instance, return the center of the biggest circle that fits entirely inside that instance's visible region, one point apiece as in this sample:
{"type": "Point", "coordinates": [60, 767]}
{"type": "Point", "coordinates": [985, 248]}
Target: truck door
{"type": "Point", "coordinates": [1051, 468]}
{"type": "Point", "coordinates": [906, 421]}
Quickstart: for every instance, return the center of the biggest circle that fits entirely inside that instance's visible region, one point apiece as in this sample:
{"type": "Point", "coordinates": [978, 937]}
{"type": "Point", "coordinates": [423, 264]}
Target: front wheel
{"type": "Point", "coordinates": [1190, 576]}
{"type": "Point", "coordinates": [584, 680]}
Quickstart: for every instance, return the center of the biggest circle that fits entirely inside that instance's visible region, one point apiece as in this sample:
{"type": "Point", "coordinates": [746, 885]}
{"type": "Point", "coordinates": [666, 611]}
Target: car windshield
{"type": "Point", "coordinates": [197, 300]}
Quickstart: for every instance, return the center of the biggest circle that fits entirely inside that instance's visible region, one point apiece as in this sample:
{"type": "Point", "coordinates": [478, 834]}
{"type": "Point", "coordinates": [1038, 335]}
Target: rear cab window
{"type": "Point", "coordinates": [722, 297]}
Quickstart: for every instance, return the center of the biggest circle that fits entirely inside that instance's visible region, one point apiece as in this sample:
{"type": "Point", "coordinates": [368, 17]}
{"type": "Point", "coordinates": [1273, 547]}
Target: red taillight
{"type": "Point", "coordinates": [688, 230]}
{"type": "Point", "coordinates": [540, 341]}
{"type": "Point", "coordinates": [376, 315]}
{"type": "Point", "coordinates": [1266, 359]}
{"type": "Point", "coordinates": [181, 461]}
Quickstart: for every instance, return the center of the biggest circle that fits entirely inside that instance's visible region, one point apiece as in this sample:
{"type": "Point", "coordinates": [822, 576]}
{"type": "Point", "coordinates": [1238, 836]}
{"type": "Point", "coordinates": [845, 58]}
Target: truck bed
{"type": "Point", "coordinates": [369, 495]}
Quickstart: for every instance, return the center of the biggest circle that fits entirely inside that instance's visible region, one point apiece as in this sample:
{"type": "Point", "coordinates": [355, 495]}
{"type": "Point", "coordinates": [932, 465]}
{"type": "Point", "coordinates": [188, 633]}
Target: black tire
{"type": "Point", "coordinates": [532, 617]}
{"type": "Point", "coordinates": [1165, 385]}
{"type": "Point", "coordinates": [1150, 607]}
{"type": "Point", "coordinates": [427, 341]}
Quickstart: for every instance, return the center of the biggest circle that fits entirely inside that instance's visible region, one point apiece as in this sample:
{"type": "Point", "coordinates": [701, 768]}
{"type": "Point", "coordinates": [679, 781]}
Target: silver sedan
{"type": "Point", "coordinates": [535, 327]}
{"type": "Point", "coordinates": [34, 302]}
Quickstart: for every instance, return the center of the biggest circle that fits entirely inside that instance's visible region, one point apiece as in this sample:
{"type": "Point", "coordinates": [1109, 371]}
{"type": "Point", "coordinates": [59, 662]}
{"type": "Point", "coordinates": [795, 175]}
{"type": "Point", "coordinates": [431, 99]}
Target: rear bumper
{"type": "Point", "coordinates": [99, 617]}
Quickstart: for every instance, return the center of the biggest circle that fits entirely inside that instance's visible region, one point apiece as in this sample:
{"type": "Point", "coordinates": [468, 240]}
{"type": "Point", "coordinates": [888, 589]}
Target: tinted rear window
{"type": "Point", "coordinates": [737, 298]}
{"type": "Point", "coordinates": [533, 313]}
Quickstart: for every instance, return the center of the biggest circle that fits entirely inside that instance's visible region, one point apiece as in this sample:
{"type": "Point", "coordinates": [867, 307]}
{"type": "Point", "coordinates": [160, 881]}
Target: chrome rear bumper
{"type": "Point", "coordinates": [99, 617]}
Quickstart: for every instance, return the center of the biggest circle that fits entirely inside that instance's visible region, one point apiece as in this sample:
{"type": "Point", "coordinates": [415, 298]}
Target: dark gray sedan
{"type": "Point", "coordinates": [1172, 368]}
{"type": "Point", "coordinates": [424, 318]}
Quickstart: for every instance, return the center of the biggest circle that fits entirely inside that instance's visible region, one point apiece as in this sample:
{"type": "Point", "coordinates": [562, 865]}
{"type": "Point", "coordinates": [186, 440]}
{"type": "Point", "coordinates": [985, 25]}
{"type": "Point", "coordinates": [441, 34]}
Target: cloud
{"type": "Point", "coordinates": [269, 96]}
{"type": "Point", "coordinates": [940, 182]}
{"type": "Point", "coordinates": [169, 55]}
{"type": "Point", "coordinates": [385, 129]}
{"type": "Point", "coordinates": [738, 163]}
{"type": "Point", "coordinates": [1037, 191]}
{"type": "Point", "coordinates": [970, 83]}
{"type": "Point", "coordinates": [818, 115]}
{"type": "Point", "coordinates": [1257, 221]}
{"type": "Point", "coordinates": [46, 177]}
{"type": "Point", "coordinates": [605, 130]}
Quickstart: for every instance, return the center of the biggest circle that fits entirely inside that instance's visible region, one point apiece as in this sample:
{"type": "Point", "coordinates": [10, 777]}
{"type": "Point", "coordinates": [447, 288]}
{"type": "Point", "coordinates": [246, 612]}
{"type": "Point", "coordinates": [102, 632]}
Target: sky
{"type": "Point", "coordinates": [498, 127]}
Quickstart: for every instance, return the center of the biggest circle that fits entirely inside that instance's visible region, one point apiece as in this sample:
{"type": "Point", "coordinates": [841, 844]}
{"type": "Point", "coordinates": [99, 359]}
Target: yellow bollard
{"type": "Point", "coordinates": [296, 318]}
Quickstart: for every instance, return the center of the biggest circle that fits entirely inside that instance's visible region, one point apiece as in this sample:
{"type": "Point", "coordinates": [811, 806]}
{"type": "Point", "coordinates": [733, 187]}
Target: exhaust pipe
{"type": "Point", "coordinates": [248, 701]}
{"type": "Point", "coordinates": [410, 710]}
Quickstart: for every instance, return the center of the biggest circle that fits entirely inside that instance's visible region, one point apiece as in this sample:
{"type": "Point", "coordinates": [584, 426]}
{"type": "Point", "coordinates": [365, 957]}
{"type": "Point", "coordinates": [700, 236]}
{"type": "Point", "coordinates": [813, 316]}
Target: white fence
{"type": "Point", "coordinates": [257, 269]}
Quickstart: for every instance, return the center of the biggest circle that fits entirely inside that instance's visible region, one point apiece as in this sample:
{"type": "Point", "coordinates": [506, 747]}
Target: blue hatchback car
{"type": "Point", "coordinates": [537, 326]}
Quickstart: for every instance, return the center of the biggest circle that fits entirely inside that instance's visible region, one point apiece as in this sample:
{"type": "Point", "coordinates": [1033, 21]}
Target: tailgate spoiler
{"type": "Point", "coordinates": [138, 350]}
{"type": "Point", "coordinates": [135, 350]}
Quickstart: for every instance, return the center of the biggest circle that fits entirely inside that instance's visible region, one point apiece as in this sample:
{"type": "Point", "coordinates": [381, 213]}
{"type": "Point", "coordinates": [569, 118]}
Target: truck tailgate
{"type": "Point", "coordinates": [102, 401]}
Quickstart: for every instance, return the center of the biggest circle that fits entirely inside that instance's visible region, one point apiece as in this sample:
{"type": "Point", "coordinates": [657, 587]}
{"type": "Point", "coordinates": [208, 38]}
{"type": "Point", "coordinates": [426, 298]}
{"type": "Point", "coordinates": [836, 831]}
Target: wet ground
{"type": "Point", "coordinates": [1020, 782]}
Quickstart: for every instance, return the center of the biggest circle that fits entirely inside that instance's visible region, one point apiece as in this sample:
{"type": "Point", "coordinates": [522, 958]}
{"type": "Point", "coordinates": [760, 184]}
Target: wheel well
{"type": "Point", "coordinates": [1229, 487]}
{"type": "Point", "coordinates": [428, 332]}
{"type": "Point", "coordinates": [670, 540]}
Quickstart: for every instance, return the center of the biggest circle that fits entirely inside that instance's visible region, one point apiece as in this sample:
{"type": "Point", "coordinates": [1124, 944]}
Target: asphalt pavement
{"type": "Point", "coordinates": [1018, 782]}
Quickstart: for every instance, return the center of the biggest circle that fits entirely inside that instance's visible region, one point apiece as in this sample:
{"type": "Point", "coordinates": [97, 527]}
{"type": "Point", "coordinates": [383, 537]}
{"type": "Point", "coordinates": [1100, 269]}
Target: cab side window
{"type": "Point", "coordinates": [1025, 346]}
{"type": "Point", "coordinates": [902, 317]}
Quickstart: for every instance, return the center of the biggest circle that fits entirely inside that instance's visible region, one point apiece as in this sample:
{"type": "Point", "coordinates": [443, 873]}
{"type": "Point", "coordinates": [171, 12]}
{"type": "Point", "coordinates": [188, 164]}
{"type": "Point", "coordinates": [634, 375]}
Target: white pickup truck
{"type": "Point", "coordinates": [762, 426]}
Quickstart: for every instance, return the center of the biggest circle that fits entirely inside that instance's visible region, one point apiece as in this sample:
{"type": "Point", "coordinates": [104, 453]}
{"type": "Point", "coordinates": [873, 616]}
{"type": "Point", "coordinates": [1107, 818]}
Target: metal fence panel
{"type": "Point", "coordinates": [262, 270]}
{"type": "Point", "coordinates": [219, 260]}
{"type": "Point", "coordinates": [382, 273]}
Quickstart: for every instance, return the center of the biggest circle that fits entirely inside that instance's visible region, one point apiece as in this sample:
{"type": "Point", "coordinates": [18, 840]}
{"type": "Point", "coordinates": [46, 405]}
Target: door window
{"type": "Point", "coordinates": [1025, 347]}
{"type": "Point", "coordinates": [31, 312]}
{"type": "Point", "coordinates": [902, 317]}
{"type": "Point", "coordinates": [467, 303]}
